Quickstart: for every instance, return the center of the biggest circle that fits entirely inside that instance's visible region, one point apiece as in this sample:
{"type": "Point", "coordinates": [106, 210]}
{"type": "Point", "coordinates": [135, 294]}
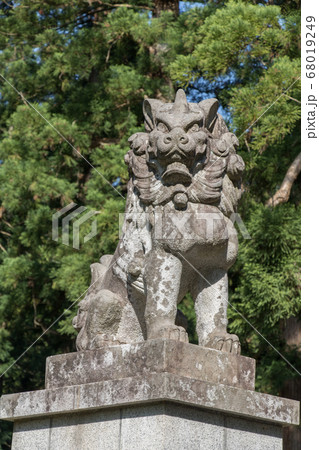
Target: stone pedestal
{"type": "Point", "coordinates": [159, 394]}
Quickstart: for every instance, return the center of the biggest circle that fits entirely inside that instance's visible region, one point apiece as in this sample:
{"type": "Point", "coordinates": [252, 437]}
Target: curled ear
{"type": "Point", "coordinates": [150, 106]}
{"type": "Point", "coordinates": [235, 167]}
{"type": "Point", "coordinates": [210, 107]}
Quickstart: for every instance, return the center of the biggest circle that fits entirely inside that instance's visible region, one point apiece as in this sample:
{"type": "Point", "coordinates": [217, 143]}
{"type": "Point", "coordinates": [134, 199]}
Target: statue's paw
{"type": "Point", "coordinates": [228, 343]}
{"type": "Point", "coordinates": [103, 340]}
{"type": "Point", "coordinates": [173, 332]}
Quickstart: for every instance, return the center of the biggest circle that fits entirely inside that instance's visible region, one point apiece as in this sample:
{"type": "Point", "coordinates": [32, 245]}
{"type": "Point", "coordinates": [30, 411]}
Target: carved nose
{"type": "Point", "coordinates": [176, 137]}
{"type": "Point", "coordinates": [184, 140]}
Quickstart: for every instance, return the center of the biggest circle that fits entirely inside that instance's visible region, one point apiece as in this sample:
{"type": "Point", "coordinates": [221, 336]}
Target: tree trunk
{"type": "Point", "coordinates": [165, 5]}
{"type": "Point", "coordinates": [283, 193]}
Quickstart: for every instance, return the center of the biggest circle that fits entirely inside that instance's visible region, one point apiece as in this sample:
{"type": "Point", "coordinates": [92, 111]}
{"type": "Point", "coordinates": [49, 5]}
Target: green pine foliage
{"type": "Point", "coordinates": [86, 66]}
{"type": "Point", "coordinates": [265, 292]}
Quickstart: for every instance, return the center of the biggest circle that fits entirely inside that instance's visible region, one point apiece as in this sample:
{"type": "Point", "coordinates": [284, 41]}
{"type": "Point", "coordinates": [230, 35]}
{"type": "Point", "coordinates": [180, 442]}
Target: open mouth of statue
{"type": "Point", "coordinates": [177, 172]}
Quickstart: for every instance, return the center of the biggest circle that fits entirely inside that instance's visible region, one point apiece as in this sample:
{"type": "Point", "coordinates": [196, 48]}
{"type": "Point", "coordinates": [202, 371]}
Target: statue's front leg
{"type": "Point", "coordinates": [211, 304]}
{"type": "Point", "coordinates": [162, 279]}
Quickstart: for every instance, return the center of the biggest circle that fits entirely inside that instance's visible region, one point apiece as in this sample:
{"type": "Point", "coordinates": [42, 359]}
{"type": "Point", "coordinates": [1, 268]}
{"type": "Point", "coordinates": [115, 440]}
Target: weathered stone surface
{"type": "Point", "coordinates": [150, 388]}
{"type": "Point", "coordinates": [251, 436]}
{"type": "Point", "coordinates": [160, 426]}
{"type": "Point", "coordinates": [177, 236]}
{"type": "Point", "coordinates": [153, 356]}
{"type": "Point", "coordinates": [32, 434]}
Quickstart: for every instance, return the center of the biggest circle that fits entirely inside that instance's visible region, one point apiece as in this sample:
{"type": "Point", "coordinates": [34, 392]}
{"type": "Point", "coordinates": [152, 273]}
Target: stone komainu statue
{"type": "Point", "coordinates": [177, 235]}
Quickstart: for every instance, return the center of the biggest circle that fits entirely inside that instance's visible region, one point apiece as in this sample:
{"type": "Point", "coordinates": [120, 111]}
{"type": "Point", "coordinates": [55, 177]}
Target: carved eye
{"type": "Point", "coordinates": [194, 128]}
{"type": "Point", "coordinates": [162, 127]}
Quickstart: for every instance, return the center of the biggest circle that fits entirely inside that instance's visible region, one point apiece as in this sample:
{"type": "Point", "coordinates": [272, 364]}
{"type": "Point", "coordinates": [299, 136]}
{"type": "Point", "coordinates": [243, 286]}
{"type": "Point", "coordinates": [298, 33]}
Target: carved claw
{"type": "Point", "coordinates": [173, 332]}
{"type": "Point", "coordinates": [103, 340]}
{"type": "Point", "coordinates": [228, 343]}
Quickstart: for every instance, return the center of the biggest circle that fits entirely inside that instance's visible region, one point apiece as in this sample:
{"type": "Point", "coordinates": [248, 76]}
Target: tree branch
{"type": "Point", "coordinates": [283, 193]}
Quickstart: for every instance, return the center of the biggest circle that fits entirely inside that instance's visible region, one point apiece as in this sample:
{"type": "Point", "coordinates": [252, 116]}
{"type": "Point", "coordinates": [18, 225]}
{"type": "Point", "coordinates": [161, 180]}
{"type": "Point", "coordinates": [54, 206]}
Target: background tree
{"type": "Point", "coordinates": [86, 66]}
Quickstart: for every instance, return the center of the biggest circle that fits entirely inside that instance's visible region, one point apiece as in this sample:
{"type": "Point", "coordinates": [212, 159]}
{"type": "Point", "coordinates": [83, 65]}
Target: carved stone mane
{"type": "Point", "coordinates": [188, 162]}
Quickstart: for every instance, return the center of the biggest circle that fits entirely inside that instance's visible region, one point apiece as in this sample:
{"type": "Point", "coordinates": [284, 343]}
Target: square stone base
{"type": "Point", "coordinates": [150, 357]}
{"type": "Point", "coordinates": [157, 395]}
{"type": "Point", "coordinates": [159, 426]}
